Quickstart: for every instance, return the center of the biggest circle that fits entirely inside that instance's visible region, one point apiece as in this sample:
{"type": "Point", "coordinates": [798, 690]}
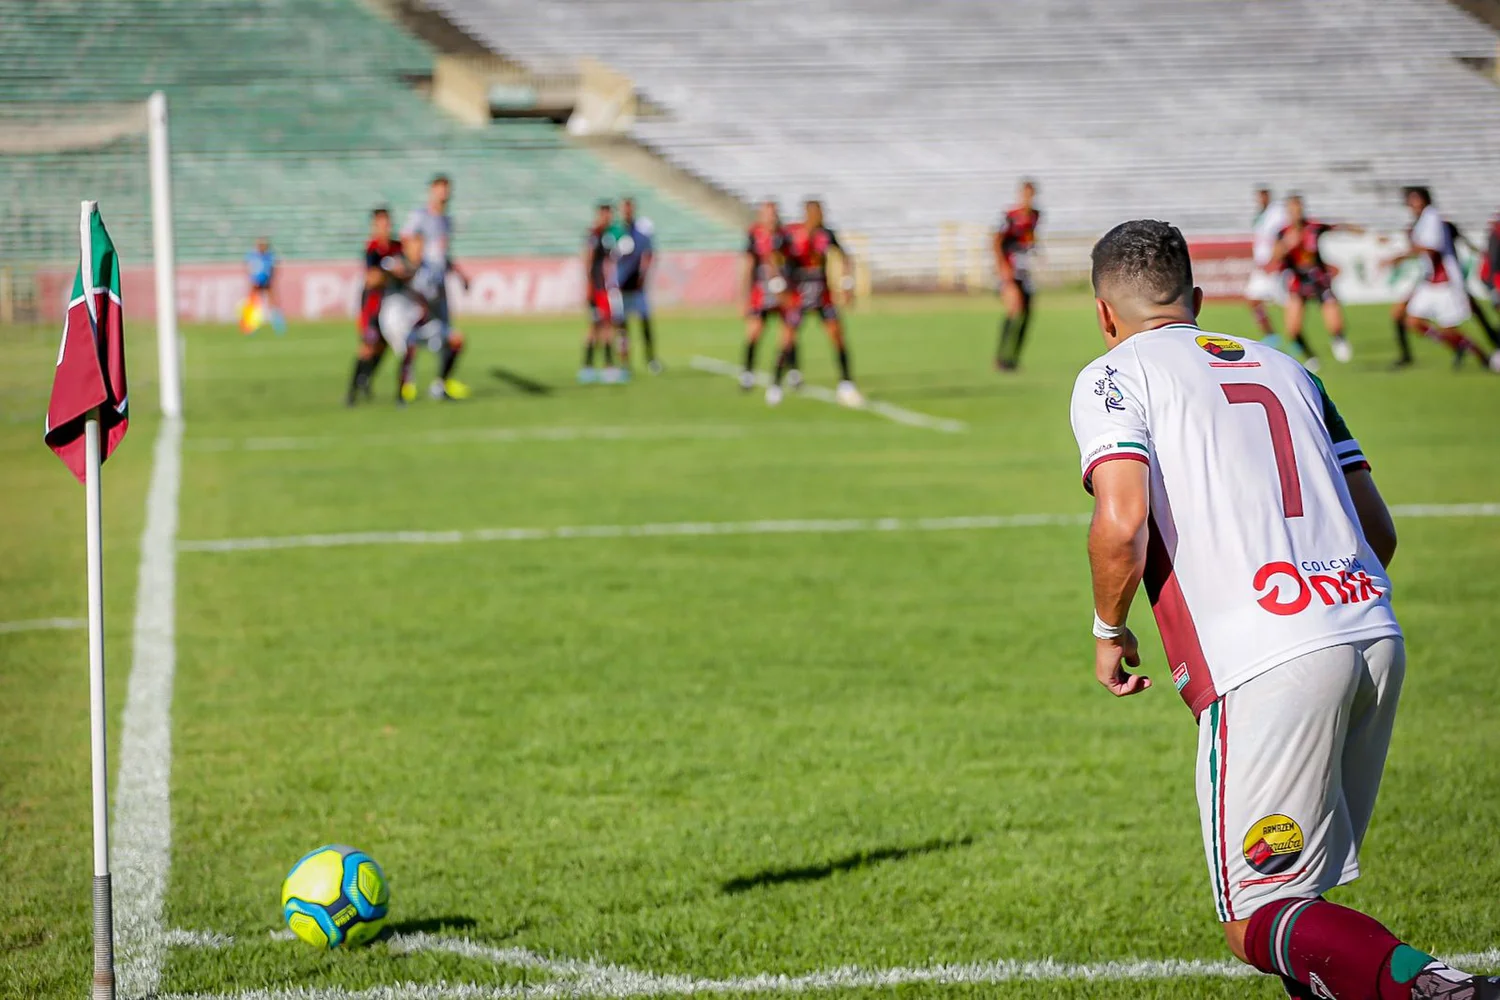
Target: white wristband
{"type": "Point", "coordinates": [1106, 631]}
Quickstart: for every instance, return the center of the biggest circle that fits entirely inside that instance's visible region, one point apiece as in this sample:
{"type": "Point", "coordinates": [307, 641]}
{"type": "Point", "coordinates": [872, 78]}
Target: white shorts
{"type": "Point", "coordinates": [1289, 764]}
{"type": "Point", "coordinates": [1266, 286]}
{"type": "Point", "coordinates": [1444, 303]}
{"type": "Point", "coordinates": [402, 326]}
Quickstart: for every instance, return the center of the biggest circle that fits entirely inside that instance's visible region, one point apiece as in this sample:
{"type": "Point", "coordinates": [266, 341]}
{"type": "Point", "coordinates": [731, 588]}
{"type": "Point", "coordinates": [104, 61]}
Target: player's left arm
{"type": "Point", "coordinates": [1109, 422]}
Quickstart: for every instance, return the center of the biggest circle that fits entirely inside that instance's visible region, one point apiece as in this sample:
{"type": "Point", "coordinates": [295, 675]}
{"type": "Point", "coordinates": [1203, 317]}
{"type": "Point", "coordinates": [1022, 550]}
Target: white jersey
{"type": "Point", "coordinates": [1256, 555]}
{"type": "Point", "coordinates": [1263, 234]}
{"type": "Point", "coordinates": [436, 231]}
{"type": "Point", "coordinates": [1431, 233]}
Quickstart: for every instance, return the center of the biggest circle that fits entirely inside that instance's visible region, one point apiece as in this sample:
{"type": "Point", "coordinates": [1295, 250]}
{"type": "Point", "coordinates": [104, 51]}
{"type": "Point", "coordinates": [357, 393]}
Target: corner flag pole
{"type": "Point", "coordinates": [104, 924]}
{"type": "Point", "coordinates": [104, 932]}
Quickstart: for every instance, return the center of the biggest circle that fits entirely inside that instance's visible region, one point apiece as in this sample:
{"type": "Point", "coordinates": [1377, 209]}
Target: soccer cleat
{"type": "Point", "coordinates": [588, 376]}
{"type": "Point", "coordinates": [408, 392]}
{"type": "Point", "coordinates": [747, 380]}
{"type": "Point", "coordinates": [773, 395]}
{"type": "Point", "coordinates": [654, 367]}
{"type": "Point", "coordinates": [1311, 364]}
{"type": "Point", "coordinates": [455, 389]}
{"type": "Point", "coordinates": [1444, 983]}
{"type": "Point", "coordinates": [794, 380]}
{"type": "Point", "coordinates": [848, 395]}
{"type": "Point", "coordinates": [1343, 353]}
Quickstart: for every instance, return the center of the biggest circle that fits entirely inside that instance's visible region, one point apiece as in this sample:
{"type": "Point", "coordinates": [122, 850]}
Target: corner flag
{"type": "Point", "coordinates": [91, 360]}
{"type": "Point", "coordinates": [86, 418]}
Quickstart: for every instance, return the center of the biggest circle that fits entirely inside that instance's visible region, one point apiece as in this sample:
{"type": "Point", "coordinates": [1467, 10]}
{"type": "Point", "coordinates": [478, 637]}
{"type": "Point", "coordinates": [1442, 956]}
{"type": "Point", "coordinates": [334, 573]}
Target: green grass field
{"type": "Point", "coordinates": [714, 755]}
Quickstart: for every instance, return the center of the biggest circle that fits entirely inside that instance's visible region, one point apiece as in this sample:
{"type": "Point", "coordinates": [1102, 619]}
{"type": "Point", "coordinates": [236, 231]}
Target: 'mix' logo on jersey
{"type": "Point", "coordinates": [1285, 589]}
{"type": "Point", "coordinates": [1226, 353]}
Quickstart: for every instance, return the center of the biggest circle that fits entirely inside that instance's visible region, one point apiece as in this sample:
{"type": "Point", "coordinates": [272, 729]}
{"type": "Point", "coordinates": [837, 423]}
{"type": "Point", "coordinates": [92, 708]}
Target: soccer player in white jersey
{"type": "Point", "coordinates": [434, 226]}
{"type": "Point", "coordinates": [1267, 280]}
{"type": "Point", "coordinates": [1440, 303]}
{"type": "Point", "coordinates": [1224, 478]}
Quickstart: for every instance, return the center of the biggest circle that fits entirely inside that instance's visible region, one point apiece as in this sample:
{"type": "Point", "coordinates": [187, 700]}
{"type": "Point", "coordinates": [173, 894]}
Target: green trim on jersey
{"type": "Point", "coordinates": [1332, 419]}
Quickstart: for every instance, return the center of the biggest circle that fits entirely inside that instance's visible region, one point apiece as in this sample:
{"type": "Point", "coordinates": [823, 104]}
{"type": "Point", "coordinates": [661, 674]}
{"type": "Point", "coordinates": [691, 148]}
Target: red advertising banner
{"type": "Point", "coordinates": [1221, 267]}
{"type": "Point", "coordinates": [501, 286]}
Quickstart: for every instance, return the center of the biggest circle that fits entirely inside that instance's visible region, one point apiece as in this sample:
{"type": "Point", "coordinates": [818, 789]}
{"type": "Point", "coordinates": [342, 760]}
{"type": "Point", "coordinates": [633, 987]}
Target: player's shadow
{"type": "Point", "coordinates": [849, 862]}
{"type": "Point", "coordinates": [516, 380]}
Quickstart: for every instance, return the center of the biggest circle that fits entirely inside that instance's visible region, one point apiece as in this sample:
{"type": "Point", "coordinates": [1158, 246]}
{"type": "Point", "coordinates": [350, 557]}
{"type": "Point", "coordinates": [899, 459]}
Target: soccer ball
{"type": "Point", "coordinates": [336, 895]}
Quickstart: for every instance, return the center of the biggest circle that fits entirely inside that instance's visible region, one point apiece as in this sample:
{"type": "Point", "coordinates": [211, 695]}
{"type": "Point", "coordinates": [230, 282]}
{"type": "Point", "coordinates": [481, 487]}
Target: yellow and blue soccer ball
{"type": "Point", "coordinates": [335, 896]}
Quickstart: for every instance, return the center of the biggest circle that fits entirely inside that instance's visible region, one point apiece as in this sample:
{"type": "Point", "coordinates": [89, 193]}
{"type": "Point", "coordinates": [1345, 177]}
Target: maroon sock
{"type": "Point", "coordinates": [1321, 943]}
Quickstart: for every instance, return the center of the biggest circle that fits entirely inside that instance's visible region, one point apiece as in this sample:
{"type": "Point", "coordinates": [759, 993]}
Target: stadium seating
{"type": "Point", "coordinates": [905, 116]}
{"type": "Point", "coordinates": [290, 118]}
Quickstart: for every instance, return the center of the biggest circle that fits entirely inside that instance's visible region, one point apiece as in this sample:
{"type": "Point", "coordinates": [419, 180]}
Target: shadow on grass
{"type": "Point", "coordinates": [525, 384]}
{"type": "Point", "coordinates": [429, 925]}
{"type": "Point", "coordinates": [850, 862]}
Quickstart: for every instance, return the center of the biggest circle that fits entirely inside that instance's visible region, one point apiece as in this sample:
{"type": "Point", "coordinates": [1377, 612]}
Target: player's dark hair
{"type": "Point", "coordinates": [439, 179]}
{"type": "Point", "coordinates": [1420, 190]}
{"type": "Point", "coordinates": [1264, 189]}
{"type": "Point", "coordinates": [605, 206]}
{"type": "Point", "coordinates": [1029, 182]}
{"type": "Point", "coordinates": [1146, 258]}
{"type": "Point", "coordinates": [378, 211]}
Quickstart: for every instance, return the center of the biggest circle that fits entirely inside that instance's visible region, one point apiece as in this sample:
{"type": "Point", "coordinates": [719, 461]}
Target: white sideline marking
{"type": "Point", "coordinates": [822, 394]}
{"type": "Point", "coordinates": [483, 435]}
{"type": "Point", "coordinates": [42, 624]}
{"type": "Point", "coordinates": [579, 978]}
{"type": "Point", "coordinates": [806, 526]}
{"type": "Point", "coordinates": [142, 850]}
{"type": "Point", "coordinates": [679, 529]}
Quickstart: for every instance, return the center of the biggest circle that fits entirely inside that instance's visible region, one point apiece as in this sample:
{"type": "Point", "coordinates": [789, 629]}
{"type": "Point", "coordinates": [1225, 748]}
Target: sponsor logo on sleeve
{"type": "Point", "coordinates": [1180, 676]}
{"type": "Point", "coordinates": [1285, 588]}
{"type": "Point", "coordinates": [1225, 353]}
{"type": "Point", "coordinates": [1106, 388]}
{"type": "Point", "coordinates": [1273, 844]}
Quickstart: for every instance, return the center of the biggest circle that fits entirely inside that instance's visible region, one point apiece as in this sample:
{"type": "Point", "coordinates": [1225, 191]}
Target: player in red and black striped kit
{"type": "Point", "coordinates": [602, 298]}
{"type": "Point", "coordinates": [382, 259]}
{"type": "Point", "coordinates": [1014, 242]}
{"type": "Point", "coordinates": [808, 246]}
{"type": "Point", "coordinates": [765, 281]}
{"type": "Point", "coordinates": [1311, 279]}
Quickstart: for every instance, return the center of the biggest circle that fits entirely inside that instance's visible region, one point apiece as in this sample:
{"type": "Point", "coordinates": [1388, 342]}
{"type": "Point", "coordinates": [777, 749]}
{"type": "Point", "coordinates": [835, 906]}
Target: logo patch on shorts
{"type": "Point", "coordinates": [1273, 844]}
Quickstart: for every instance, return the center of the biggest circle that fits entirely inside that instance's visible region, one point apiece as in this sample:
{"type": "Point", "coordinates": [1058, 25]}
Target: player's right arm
{"type": "Point", "coordinates": [1109, 420]}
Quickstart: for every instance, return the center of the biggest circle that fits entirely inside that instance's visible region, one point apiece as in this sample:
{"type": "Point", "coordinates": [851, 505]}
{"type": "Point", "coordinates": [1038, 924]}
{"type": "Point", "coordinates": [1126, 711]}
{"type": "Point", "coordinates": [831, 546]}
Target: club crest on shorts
{"type": "Point", "coordinates": [1222, 348]}
{"type": "Point", "coordinates": [1273, 844]}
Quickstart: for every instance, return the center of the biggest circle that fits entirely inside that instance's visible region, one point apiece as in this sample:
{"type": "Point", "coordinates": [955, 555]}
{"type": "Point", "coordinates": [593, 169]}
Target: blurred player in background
{"type": "Point", "coordinates": [808, 245]}
{"type": "Point", "coordinates": [1440, 303]}
{"type": "Point", "coordinates": [1267, 280]}
{"type": "Point", "coordinates": [766, 286]}
{"type": "Point", "coordinates": [1014, 243]}
{"type": "Point", "coordinates": [260, 304]}
{"type": "Point", "coordinates": [635, 252]}
{"type": "Point", "coordinates": [1489, 263]}
{"type": "Point", "coordinates": [410, 318]}
{"type": "Point", "coordinates": [384, 263]}
{"type": "Point", "coordinates": [1310, 279]}
{"type": "Point", "coordinates": [435, 227]}
{"type": "Point", "coordinates": [1276, 620]}
{"type": "Point", "coordinates": [601, 298]}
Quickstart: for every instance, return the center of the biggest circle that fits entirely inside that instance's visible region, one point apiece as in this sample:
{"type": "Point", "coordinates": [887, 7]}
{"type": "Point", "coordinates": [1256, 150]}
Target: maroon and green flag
{"type": "Point", "coordinates": [91, 361]}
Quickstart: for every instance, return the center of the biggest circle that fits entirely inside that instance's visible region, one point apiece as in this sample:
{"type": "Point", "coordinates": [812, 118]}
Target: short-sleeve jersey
{"type": "Point", "coordinates": [1489, 267]}
{"type": "Point", "coordinates": [1265, 232]}
{"type": "Point", "coordinates": [601, 246]}
{"type": "Point", "coordinates": [1018, 232]}
{"type": "Point", "coordinates": [634, 241]}
{"type": "Point", "coordinates": [763, 244]}
{"type": "Point", "coordinates": [807, 252]}
{"type": "Point", "coordinates": [378, 256]}
{"type": "Point", "coordinates": [1256, 555]}
{"type": "Point", "coordinates": [1433, 236]}
{"type": "Point", "coordinates": [1305, 258]}
{"type": "Point", "coordinates": [260, 264]}
{"type": "Point", "coordinates": [436, 230]}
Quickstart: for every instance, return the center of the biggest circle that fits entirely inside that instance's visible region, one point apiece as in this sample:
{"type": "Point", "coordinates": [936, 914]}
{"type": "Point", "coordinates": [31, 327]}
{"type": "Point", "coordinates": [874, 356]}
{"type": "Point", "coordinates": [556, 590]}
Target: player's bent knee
{"type": "Point", "coordinates": [456, 340]}
{"type": "Point", "coordinates": [1234, 936]}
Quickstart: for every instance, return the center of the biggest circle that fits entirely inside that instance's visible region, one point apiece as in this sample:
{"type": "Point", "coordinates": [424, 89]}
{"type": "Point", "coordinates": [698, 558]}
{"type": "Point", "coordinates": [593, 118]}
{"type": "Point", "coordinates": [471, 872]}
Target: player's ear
{"type": "Point", "coordinates": [1197, 301]}
{"type": "Point", "coordinates": [1107, 323]}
